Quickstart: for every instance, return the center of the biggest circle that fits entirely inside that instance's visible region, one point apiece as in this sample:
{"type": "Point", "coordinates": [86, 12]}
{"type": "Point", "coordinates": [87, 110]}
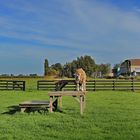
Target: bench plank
{"type": "Point", "coordinates": [33, 104]}
{"type": "Point", "coordinates": [66, 93]}
{"type": "Point", "coordinates": [36, 104]}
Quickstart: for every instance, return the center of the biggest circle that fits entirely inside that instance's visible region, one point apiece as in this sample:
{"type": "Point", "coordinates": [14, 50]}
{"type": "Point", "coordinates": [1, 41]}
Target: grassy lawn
{"type": "Point", "coordinates": [108, 115]}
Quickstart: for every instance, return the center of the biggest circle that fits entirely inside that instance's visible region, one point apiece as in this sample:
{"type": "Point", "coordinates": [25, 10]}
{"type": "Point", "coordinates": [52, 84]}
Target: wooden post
{"type": "Point", "coordinates": [6, 84]}
{"type": "Point", "coordinates": [22, 110]}
{"type": "Point", "coordinates": [132, 84]}
{"type": "Point", "coordinates": [113, 84]}
{"type": "Point", "coordinates": [23, 85]}
{"type": "Point", "coordinates": [94, 85]}
{"type": "Point", "coordinates": [51, 102]}
{"type": "Point", "coordinates": [37, 85]}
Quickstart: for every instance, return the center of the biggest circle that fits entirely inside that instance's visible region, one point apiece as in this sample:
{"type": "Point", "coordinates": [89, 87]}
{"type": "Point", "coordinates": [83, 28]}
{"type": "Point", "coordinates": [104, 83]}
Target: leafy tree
{"type": "Point", "coordinates": [68, 70]}
{"type": "Point", "coordinates": [87, 63]}
{"type": "Point", "coordinates": [104, 68]}
{"type": "Point", "coordinates": [116, 66]}
{"type": "Point", "coordinates": [74, 66]}
{"type": "Point", "coordinates": [46, 67]}
{"type": "Point", "coordinates": [116, 69]}
{"type": "Point", "coordinates": [58, 67]}
{"type": "Point", "coordinates": [52, 72]}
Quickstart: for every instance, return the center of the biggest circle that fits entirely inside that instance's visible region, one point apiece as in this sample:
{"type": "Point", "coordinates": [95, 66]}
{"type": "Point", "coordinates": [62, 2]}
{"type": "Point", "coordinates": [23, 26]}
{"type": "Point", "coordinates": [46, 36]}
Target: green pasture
{"type": "Point", "coordinates": [109, 115]}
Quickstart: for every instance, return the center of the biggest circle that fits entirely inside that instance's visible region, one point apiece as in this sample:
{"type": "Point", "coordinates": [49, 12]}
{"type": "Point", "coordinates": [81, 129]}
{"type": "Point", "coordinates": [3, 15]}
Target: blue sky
{"type": "Point", "coordinates": [62, 30]}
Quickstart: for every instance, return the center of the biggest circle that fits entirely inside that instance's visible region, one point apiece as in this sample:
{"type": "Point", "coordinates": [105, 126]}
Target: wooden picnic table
{"type": "Point", "coordinates": [33, 104]}
{"type": "Point", "coordinates": [60, 94]}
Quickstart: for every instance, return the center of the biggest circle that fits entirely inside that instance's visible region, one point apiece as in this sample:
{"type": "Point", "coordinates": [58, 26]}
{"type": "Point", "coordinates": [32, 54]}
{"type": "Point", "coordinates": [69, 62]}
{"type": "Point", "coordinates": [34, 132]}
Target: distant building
{"type": "Point", "coordinates": [130, 67]}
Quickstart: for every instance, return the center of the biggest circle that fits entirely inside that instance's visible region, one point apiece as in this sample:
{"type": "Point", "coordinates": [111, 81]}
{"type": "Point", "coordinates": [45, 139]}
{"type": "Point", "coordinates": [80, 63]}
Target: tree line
{"type": "Point", "coordinates": [34, 75]}
{"type": "Point", "coordinates": [87, 63]}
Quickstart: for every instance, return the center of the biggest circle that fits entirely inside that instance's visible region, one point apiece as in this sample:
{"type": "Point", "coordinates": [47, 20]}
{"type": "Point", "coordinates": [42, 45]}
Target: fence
{"type": "Point", "coordinates": [12, 85]}
{"type": "Point", "coordinates": [91, 85]}
{"type": "Point", "coordinates": [56, 85]}
{"type": "Point", "coordinates": [46, 85]}
{"type": "Point", "coordinates": [113, 85]}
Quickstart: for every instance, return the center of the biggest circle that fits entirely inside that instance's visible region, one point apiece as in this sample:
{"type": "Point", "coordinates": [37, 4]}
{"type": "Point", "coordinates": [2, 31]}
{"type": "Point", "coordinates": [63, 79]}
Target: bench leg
{"type": "Point", "coordinates": [22, 109]}
{"type": "Point", "coordinates": [55, 104]}
{"type": "Point", "coordinates": [51, 104]}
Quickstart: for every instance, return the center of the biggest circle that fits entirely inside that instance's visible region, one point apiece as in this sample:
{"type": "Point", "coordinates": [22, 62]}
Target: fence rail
{"type": "Point", "coordinates": [91, 85]}
{"type": "Point", "coordinates": [46, 85]}
{"type": "Point", "coordinates": [12, 85]}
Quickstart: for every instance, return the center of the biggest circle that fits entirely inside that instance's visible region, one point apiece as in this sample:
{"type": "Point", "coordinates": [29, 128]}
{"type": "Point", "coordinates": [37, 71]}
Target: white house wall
{"type": "Point", "coordinates": [135, 68]}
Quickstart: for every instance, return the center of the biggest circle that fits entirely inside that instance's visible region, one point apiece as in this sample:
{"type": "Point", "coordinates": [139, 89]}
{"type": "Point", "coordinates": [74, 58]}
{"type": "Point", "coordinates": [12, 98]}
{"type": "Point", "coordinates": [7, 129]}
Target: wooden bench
{"type": "Point", "coordinates": [27, 105]}
{"type": "Point", "coordinates": [59, 94]}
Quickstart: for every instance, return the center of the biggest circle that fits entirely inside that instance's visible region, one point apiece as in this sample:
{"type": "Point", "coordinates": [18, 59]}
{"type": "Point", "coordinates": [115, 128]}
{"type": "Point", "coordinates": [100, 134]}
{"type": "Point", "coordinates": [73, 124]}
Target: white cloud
{"type": "Point", "coordinates": [80, 26]}
{"type": "Point", "coordinates": [96, 14]}
{"type": "Point", "coordinates": [95, 20]}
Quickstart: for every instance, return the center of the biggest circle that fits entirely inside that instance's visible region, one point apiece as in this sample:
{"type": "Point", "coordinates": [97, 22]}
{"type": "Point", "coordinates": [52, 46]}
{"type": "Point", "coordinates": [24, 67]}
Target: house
{"type": "Point", "coordinates": [130, 67]}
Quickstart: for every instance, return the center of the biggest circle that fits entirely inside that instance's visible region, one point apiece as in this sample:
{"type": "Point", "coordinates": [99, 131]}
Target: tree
{"type": "Point", "coordinates": [52, 72]}
{"type": "Point", "coordinates": [116, 69]}
{"type": "Point", "coordinates": [58, 68]}
{"type": "Point", "coordinates": [87, 63]}
{"type": "Point", "coordinates": [68, 70]}
{"type": "Point", "coordinates": [74, 66]}
{"type": "Point", "coordinates": [104, 69]}
{"type": "Point", "coordinates": [46, 67]}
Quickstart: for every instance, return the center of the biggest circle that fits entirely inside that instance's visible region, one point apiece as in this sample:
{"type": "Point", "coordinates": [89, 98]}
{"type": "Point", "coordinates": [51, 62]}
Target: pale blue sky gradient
{"type": "Point", "coordinates": [62, 30]}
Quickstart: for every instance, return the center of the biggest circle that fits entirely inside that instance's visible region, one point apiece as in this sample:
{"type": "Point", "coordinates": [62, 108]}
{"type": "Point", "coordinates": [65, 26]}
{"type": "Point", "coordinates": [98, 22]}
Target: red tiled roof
{"type": "Point", "coordinates": [135, 62]}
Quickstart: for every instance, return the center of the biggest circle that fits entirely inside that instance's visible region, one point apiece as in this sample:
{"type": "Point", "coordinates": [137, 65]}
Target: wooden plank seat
{"type": "Point", "coordinates": [36, 105]}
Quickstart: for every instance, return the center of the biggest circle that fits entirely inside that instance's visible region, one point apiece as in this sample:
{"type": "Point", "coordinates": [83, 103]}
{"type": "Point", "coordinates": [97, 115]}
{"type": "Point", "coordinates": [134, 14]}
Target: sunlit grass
{"type": "Point", "coordinates": [108, 115]}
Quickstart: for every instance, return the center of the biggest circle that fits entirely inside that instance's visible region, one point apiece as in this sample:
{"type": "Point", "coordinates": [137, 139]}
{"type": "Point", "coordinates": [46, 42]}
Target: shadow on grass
{"type": "Point", "coordinates": [12, 110]}
{"type": "Point", "coordinates": [42, 110]}
{"type": "Point", "coordinates": [15, 109]}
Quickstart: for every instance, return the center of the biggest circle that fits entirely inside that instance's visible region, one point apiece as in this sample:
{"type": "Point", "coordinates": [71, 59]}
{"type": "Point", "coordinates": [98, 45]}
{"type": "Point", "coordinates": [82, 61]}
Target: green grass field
{"type": "Point", "coordinates": [108, 115]}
